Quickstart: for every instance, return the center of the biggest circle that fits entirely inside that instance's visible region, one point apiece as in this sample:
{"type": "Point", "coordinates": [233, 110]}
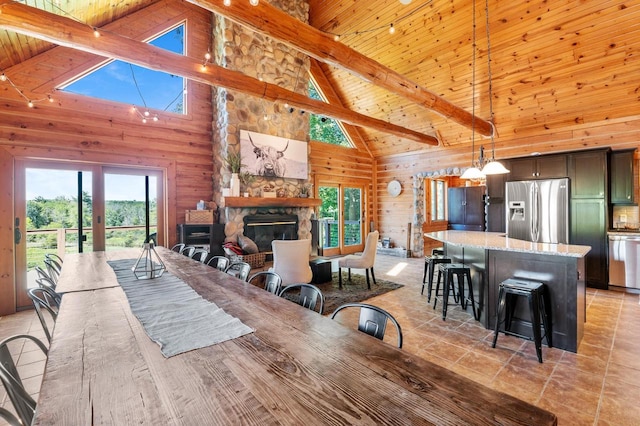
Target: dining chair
{"type": "Point", "coordinates": [268, 280]}
{"type": "Point", "coordinates": [308, 296]}
{"type": "Point", "coordinates": [200, 255]}
{"type": "Point", "coordinates": [219, 262]}
{"type": "Point", "coordinates": [45, 299]}
{"type": "Point", "coordinates": [188, 251]}
{"type": "Point", "coordinates": [54, 257]}
{"type": "Point", "coordinates": [373, 320]}
{"type": "Point", "coordinates": [48, 283]}
{"type": "Point", "coordinates": [53, 269]}
{"type": "Point", "coordinates": [43, 274]}
{"type": "Point", "coordinates": [9, 418]}
{"type": "Point", "coordinates": [239, 270]}
{"type": "Point", "coordinates": [291, 260]}
{"type": "Point", "coordinates": [23, 403]}
{"type": "Point", "coordinates": [363, 261]}
{"type": "Point", "coordinates": [178, 248]}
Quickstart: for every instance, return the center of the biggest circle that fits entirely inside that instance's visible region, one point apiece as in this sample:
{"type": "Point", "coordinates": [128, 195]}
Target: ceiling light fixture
{"type": "Point", "coordinates": [493, 167]}
{"type": "Point", "coordinates": [227, 2]}
{"type": "Point", "coordinates": [392, 30]}
{"type": "Point", "coordinates": [474, 172]}
{"type": "Point", "coordinates": [405, 1]}
{"type": "Point", "coordinates": [254, 2]}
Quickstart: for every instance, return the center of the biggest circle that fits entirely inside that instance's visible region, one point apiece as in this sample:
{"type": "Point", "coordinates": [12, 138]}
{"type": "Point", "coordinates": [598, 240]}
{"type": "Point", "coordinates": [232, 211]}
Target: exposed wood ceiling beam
{"type": "Point", "coordinates": [273, 22]}
{"type": "Point", "coordinates": [67, 32]}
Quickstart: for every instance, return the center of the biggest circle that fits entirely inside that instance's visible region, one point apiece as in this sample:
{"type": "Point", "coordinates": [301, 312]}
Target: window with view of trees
{"type": "Point", "coordinates": [437, 191]}
{"type": "Point", "coordinates": [325, 129]}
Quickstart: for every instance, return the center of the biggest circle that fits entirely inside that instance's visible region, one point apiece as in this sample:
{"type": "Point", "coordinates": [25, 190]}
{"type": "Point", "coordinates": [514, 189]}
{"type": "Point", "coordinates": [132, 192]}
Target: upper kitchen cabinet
{"type": "Point", "coordinates": [621, 176]}
{"type": "Point", "coordinates": [541, 167]}
{"type": "Point", "coordinates": [466, 208]}
{"type": "Point", "coordinates": [588, 173]}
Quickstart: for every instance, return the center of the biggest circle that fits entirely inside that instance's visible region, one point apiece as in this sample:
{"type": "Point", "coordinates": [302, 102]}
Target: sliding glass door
{"type": "Point", "coordinates": [65, 208]}
{"type": "Point", "coordinates": [341, 218]}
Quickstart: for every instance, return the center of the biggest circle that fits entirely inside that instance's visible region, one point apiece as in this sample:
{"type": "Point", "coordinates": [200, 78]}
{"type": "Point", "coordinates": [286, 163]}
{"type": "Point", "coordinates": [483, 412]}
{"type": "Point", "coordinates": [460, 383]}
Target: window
{"type": "Point", "coordinates": [437, 199]}
{"type": "Point", "coordinates": [325, 129]}
{"type": "Point", "coordinates": [123, 82]}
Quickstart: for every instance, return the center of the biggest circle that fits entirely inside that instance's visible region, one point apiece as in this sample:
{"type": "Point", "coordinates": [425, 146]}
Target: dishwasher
{"type": "Point", "coordinates": [624, 268]}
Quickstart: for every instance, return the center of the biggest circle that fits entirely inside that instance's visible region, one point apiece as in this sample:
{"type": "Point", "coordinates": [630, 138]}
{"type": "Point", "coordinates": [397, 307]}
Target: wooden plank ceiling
{"type": "Point", "coordinates": [549, 61]}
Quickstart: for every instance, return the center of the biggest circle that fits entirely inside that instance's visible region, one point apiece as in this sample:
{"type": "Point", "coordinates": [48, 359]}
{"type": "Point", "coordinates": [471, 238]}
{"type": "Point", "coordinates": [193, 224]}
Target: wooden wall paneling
{"type": "Point", "coordinates": [7, 254]}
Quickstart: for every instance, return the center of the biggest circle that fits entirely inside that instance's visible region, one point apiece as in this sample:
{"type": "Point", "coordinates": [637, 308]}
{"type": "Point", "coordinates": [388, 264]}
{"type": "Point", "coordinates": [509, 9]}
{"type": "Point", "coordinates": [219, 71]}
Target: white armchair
{"type": "Point", "coordinates": [364, 261]}
{"type": "Point", "coordinates": [291, 261]}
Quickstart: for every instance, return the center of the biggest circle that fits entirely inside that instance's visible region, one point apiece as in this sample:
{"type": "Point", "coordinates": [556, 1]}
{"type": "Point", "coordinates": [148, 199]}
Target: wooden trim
{"type": "Point", "coordinates": [248, 202]}
{"type": "Point", "coordinates": [7, 247]}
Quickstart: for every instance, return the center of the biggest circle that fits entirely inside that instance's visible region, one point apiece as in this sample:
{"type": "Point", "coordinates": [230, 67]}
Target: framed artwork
{"type": "Point", "coordinates": [273, 156]}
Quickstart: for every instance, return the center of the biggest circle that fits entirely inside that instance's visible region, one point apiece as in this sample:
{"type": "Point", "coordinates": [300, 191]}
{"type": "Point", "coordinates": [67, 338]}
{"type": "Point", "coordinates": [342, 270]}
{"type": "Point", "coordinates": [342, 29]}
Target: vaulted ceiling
{"type": "Point", "coordinates": [554, 65]}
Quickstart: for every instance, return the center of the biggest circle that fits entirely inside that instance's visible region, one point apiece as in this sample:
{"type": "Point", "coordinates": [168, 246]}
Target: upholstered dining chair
{"type": "Point", "coordinates": [373, 320]}
{"type": "Point", "coordinates": [291, 260]}
{"type": "Point", "coordinates": [239, 270]}
{"type": "Point", "coordinates": [308, 296]}
{"type": "Point", "coordinates": [23, 403]}
{"type": "Point", "coordinates": [219, 262]}
{"type": "Point", "coordinates": [268, 280]}
{"type": "Point", "coordinates": [361, 261]}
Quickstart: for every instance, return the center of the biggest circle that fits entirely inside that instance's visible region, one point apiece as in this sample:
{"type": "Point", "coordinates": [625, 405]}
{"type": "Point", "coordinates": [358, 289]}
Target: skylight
{"type": "Point", "coordinates": [121, 81]}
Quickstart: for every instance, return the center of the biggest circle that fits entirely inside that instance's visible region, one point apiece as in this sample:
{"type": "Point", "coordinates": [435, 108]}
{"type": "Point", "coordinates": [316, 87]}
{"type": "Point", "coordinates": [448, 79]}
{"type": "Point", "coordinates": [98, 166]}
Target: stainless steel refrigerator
{"type": "Point", "coordinates": [538, 210]}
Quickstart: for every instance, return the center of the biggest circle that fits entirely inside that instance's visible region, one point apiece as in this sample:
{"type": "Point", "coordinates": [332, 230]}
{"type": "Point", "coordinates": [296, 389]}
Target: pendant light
{"type": "Point", "coordinates": [493, 167]}
{"type": "Point", "coordinates": [473, 172]}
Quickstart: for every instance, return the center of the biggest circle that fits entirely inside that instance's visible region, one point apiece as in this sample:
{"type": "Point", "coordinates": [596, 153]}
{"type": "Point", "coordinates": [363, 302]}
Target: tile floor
{"type": "Point", "coordinates": [600, 385]}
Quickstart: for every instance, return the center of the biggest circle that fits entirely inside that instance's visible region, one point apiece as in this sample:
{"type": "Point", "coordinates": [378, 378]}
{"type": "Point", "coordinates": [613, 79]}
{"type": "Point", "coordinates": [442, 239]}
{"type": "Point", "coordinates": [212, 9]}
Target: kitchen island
{"type": "Point", "coordinates": [494, 257]}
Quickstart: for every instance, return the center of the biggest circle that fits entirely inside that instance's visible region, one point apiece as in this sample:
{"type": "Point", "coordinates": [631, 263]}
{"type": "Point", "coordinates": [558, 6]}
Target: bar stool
{"type": "Point", "coordinates": [461, 272]}
{"type": "Point", "coordinates": [430, 263]}
{"type": "Point", "coordinates": [535, 293]}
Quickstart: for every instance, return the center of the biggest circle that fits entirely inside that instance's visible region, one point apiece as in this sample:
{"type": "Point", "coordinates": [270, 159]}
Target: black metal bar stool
{"type": "Point", "coordinates": [535, 293]}
{"type": "Point", "coordinates": [430, 263]}
{"type": "Point", "coordinates": [462, 273]}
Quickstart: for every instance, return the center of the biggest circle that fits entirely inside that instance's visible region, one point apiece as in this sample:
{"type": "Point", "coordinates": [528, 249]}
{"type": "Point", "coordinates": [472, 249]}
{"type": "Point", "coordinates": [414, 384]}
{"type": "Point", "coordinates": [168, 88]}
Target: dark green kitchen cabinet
{"type": "Point", "coordinates": [621, 176]}
{"type": "Point", "coordinates": [539, 167]}
{"type": "Point", "coordinates": [589, 228]}
{"type": "Point", "coordinates": [588, 174]}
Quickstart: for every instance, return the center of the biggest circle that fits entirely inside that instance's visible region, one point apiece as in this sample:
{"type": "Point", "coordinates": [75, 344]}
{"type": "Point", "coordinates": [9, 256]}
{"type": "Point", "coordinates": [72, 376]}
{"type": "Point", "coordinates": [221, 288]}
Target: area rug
{"type": "Point", "coordinates": [352, 291]}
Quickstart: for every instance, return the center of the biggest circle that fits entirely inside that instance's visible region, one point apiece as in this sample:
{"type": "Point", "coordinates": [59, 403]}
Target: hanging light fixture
{"type": "Point", "coordinates": [473, 172]}
{"type": "Point", "coordinates": [493, 167]}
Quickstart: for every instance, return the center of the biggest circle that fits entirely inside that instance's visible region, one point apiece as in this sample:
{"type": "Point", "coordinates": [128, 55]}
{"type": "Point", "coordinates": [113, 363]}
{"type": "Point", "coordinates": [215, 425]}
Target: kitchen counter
{"type": "Point", "coordinates": [499, 241]}
{"type": "Point", "coordinates": [493, 257]}
{"type": "Point", "coordinates": [624, 232]}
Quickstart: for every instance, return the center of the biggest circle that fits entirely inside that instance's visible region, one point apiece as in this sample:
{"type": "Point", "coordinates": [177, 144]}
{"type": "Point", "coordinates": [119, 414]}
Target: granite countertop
{"type": "Point", "coordinates": [624, 232]}
{"type": "Point", "coordinates": [499, 241]}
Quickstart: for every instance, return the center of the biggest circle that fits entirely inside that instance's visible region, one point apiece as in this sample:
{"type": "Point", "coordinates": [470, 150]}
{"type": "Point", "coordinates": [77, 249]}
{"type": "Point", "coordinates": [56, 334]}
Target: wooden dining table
{"type": "Point", "coordinates": [298, 367]}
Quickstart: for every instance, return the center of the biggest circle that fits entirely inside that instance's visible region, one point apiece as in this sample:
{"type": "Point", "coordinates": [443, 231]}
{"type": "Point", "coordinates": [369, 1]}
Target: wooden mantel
{"type": "Point", "coordinates": [249, 202]}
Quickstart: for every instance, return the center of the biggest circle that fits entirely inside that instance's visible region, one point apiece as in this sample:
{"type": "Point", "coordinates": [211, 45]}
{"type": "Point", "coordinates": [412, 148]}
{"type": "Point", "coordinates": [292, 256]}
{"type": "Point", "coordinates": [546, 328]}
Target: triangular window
{"type": "Point", "coordinates": [325, 129]}
{"type": "Point", "coordinates": [124, 82]}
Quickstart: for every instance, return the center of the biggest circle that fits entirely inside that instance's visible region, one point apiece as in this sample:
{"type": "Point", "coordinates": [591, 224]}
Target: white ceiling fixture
{"type": "Point", "coordinates": [405, 1]}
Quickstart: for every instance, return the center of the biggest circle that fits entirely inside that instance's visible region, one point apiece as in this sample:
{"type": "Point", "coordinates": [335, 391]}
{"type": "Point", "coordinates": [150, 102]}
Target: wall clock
{"type": "Point", "coordinates": [394, 188]}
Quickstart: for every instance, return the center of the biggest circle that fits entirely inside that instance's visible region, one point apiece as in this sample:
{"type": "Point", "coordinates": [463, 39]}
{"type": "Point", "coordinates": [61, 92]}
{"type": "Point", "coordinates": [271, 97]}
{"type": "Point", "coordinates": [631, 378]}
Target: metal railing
{"type": "Point", "coordinates": [330, 232]}
{"type": "Point", "coordinates": [65, 240]}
